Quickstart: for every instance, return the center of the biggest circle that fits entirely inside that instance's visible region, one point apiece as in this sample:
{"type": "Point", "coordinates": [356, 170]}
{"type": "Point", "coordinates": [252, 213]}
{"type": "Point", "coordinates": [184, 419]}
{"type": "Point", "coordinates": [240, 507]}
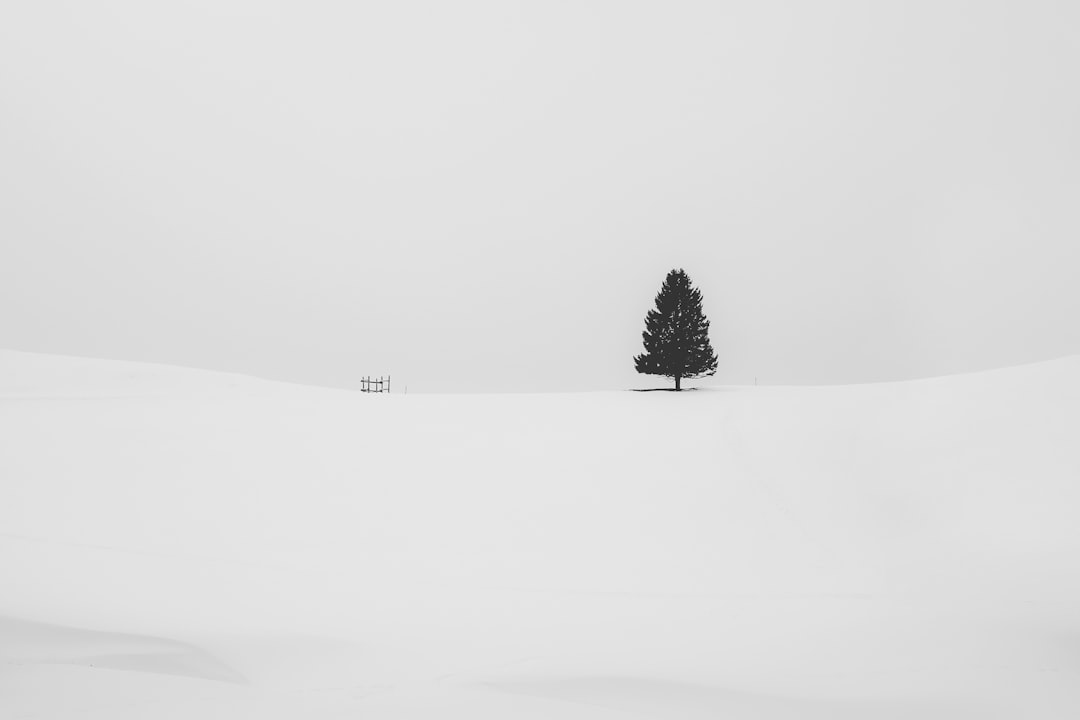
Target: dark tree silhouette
{"type": "Point", "coordinates": [676, 336]}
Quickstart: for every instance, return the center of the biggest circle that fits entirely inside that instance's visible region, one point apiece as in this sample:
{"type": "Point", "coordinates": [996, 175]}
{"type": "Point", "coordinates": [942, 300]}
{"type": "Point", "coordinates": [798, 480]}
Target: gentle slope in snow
{"type": "Point", "coordinates": [179, 543]}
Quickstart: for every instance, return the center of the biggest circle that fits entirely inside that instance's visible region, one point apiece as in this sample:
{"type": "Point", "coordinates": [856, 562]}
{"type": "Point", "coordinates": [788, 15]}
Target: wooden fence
{"type": "Point", "coordinates": [368, 384]}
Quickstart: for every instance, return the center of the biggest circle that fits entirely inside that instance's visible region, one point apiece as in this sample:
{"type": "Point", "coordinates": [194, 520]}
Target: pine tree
{"type": "Point", "coordinates": [676, 336]}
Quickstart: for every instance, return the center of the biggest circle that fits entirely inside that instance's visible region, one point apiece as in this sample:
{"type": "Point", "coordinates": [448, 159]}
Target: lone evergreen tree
{"type": "Point", "coordinates": [676, 336]}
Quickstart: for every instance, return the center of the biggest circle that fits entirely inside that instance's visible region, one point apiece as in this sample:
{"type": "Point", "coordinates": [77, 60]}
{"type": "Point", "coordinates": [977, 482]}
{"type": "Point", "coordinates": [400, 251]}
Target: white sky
{"type": "Point", "coordinates": [480, 196]}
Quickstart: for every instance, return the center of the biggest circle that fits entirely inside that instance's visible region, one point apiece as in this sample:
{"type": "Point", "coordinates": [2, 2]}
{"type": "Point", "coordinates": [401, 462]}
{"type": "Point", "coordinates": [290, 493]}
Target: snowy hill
{"type": "Point", "coordinates": [180, 543]}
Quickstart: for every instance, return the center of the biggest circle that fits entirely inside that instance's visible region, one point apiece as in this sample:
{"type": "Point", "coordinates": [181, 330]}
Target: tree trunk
{"type": "Point", "coordinates": [678, 383]}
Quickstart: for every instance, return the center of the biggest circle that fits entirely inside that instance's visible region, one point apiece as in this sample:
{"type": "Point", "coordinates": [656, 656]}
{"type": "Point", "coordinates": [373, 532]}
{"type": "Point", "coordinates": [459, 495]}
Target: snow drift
{"type": "Point", "coordinates": [179, 543]}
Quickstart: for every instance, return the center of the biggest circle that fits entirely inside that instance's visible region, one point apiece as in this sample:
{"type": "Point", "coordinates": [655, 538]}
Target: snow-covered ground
{"type": "Point", "coordinates": [185, 544]}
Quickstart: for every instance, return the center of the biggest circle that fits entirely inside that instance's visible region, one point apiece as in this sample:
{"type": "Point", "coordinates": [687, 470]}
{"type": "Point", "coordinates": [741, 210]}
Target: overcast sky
{"type": "Point", "coordinates": [485, 196]}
